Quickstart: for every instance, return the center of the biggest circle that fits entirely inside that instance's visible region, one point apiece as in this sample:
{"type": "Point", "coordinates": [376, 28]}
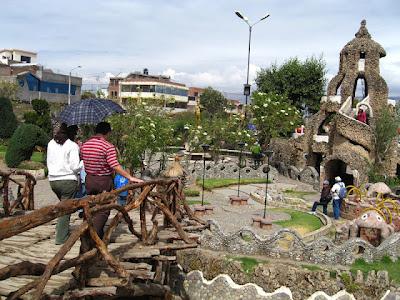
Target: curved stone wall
{"type": "Point", "coordinates": [321, 251]}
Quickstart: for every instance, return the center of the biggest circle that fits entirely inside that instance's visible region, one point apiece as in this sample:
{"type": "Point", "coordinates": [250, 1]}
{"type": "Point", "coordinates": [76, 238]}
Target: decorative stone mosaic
{"type": "Point", "coordinates": [321, 251]}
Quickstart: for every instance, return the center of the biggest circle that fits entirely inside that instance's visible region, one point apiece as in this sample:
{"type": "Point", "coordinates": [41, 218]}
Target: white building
{"type": "Point", "coordinates": [10, 56]}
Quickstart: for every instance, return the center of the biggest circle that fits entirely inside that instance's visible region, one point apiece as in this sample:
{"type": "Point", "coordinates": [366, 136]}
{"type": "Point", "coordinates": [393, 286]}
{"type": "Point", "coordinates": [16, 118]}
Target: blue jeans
{"type": "Point", "coordinates": [337, 203]}
{"type": "Point", "coordinates": [324, 207]}
{"type": "Point", "coordinates": [122, 200]}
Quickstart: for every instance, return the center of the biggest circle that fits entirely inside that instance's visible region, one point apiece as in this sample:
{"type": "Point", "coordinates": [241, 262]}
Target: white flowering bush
{"type": "Point", "coordinates": [273, 115]}
{"type": "Point", "coordinates": [144, 127]}
{"type": "Point", "coordinates": [222, 132]}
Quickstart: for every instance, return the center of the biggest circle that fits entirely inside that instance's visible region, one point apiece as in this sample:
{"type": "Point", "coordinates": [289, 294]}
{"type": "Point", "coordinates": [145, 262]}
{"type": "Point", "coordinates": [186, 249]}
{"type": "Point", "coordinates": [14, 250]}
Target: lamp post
{"type": "Point", "coordinates": [241, 145]}
{"type": "Point", "coordinates": [269, 154]}
{"type": "Point", "coordinates": [69, 84]}
{"type": "Point", "coordinates": [205, 149]}
{"type": "Point", "coordinates": [247, 86]}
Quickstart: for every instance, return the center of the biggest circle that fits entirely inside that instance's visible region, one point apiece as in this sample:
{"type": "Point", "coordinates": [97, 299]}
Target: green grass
{"type": "Point", "coordinates": [38, 157]}
{"type": "Point", "coordinates": [191, 192]}
{"type": "Point", "coordinates": [385, 263]}
{"type": "Point", "coordinates": [299, 219]}
{"type": "Point", "coordinates": [248, 263]}
{"type": "Point", "coordinates": [194, 202]}
{"type": "Point", "coordinates": [213, 183]}
{"type": "Point", "coordinates": [298, 194]}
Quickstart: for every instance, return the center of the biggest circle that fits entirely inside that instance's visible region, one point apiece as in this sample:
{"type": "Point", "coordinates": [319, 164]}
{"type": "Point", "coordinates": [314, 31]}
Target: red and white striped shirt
{"type": "Point", "coordinates": [99, 156]}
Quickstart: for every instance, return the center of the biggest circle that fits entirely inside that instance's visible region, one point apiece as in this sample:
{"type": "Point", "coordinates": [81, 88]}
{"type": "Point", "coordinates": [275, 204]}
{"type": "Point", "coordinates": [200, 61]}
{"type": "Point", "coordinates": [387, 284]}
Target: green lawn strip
{"type": "Point", "coordinates": [191, 192]}
{"type": "Point", "coordinates": [248, 263]}
{"type": "Point", "coordinates": [213, 183]}
{"type": "Point", "coordinates": [298, 194]}
{"type": "Point", "coordinates": [299, 219]}
{"type": "Point", "coordinates": [385, 263]}
{"type": "Point", "coordinates": [36, 156]}
{"type": "Point", "coordinates": [194, 202]}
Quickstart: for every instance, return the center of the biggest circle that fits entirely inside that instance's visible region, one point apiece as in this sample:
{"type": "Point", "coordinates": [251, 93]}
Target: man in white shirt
{"type": "Point", "coordinates": [337, 201]}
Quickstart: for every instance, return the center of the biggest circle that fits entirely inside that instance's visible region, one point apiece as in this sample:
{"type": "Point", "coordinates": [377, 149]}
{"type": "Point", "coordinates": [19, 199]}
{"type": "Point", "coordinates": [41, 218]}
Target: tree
{"type": "Point", "coordinates": [142, 129]}
{"type": "Point", "coordinates": [8, 90]}
{"type": "Point", "coordinates": [386, 126]}
{"type": "Point", "coordinates": [8, 121]}
{"type": "Point", "coordinates": [40, 116]}
{"type": "Point", "coordinates": [303, 83]}
{"type": "Point", "coordinates": [213, 102]}
{"type": "Point", "coordinates": [273, 116]}
{"type": "Point", "coordinates": [88, 95]}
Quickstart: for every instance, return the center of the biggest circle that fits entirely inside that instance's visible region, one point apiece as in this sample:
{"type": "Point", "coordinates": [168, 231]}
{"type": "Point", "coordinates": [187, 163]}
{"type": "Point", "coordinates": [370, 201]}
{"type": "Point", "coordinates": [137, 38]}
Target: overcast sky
{"type": "Point", "coordinates": [197, 42]}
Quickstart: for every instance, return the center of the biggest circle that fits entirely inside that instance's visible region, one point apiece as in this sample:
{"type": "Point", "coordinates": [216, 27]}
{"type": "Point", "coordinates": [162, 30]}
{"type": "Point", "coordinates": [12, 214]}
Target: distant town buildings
{"type": "Point", "coordinates": [143, 85]}
{"type": "Point", "coordinates": [35, 81]}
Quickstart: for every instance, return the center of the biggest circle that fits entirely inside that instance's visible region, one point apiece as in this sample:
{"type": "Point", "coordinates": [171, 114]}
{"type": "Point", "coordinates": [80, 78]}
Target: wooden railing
{"type": "Point", "coordinates": [163, 196]}
{"type": "Point", "coordinates": [25, 200]}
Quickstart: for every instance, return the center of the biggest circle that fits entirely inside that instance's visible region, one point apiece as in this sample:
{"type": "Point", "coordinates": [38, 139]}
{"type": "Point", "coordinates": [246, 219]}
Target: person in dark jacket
{"type": "Point", "coordinates": [324, 200]}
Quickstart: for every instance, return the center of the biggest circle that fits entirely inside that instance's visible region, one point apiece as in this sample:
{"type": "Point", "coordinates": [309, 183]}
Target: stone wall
{"type": "Point", "coordinates": [321, 251]}
{"type": "Point", "coordinates": [225, 278]}
{"type": "Point", "coordinates": [228, 170]}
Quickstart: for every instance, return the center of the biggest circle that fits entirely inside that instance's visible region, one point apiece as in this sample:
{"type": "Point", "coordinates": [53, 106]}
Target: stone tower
{"type": "Point", "coordinates": [360, 59]}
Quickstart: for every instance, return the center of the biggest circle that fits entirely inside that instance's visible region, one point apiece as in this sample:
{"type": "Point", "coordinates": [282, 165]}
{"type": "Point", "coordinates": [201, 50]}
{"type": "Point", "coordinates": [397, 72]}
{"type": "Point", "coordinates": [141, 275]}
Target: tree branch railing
{"type": "Point", "coordinates": [171, 204]}
{"type": "Point", "coordinates": [25, 200]}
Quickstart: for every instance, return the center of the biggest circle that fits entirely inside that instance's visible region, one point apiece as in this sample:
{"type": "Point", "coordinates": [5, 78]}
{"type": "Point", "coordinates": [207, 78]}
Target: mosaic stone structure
{"type": "Point", "coordinates": [320, 251]}
{"type": "Point", "coordinates": [335, 143]}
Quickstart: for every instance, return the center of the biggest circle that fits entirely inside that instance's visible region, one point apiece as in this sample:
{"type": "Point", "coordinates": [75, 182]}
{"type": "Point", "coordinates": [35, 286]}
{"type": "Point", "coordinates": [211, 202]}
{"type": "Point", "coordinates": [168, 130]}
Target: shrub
{"type": "Point", "coordinates": [41, 116]}
{"type": "Point", "coordinates": [41, 106]}
{"type": "Point", "coordinates": [8, 121]}
{"type": "Point", "coordinates": [23, 142]}
{"type": "Point", "coordinates": [31, 117]}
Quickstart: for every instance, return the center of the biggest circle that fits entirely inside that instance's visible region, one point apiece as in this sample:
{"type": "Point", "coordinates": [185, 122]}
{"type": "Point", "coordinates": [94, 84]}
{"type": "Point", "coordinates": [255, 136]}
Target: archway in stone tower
{"type": "Point", "coordinates": [337, 167]}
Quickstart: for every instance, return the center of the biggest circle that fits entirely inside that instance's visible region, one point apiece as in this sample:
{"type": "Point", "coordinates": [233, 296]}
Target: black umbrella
{"type": "Point", "coordinates": [89, 111]}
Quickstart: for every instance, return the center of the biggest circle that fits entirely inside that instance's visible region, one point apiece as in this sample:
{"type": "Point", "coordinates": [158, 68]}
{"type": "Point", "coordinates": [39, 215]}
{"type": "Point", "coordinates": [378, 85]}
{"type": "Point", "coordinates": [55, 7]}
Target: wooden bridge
{"type": "Point", "coordinates": [132, 259]}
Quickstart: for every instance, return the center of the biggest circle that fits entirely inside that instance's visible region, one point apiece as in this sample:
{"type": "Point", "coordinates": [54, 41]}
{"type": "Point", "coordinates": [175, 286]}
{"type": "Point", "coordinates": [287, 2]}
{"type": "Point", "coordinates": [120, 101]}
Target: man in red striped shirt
{"type": "Point", "coordinates": [100, 161]}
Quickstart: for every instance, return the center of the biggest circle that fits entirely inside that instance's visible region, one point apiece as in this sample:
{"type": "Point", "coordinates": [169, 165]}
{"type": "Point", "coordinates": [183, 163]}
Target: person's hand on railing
{"type": "Point", "coordinates": [135, 180]}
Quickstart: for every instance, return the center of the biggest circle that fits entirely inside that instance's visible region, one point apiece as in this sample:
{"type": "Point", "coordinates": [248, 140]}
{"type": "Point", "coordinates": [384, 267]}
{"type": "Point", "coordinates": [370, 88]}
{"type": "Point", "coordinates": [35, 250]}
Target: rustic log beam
{"type": "Point", "coordinates": [6, 202]}
{"type": "Point", "coordinates": [132, 205]}
{"type": "Point", "coordinates": [152, 236]}
{"type": "Point", "coordinates": [52, 264]}
{"type": "Point", "coordinates": [102, 247]}
{"type": "Point", "coordinates": [22, 268]}
{"type": "Point", "coordinates": [172, 219]}
{"type": "Point", "coordinates": [13, 226]}
{"type": "Point", "coordinates": [143, 227]}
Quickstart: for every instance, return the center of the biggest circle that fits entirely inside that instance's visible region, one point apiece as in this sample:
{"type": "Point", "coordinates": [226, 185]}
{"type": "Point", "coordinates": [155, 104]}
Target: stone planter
{"type": "Point", "coordinates": [209, 209]}
{"type": "Point", "coordinates": [262, 223]}
{"type": "Point", "coordinates": [238, 200]}
{"type": "Point", "coordinates": [199, 211]}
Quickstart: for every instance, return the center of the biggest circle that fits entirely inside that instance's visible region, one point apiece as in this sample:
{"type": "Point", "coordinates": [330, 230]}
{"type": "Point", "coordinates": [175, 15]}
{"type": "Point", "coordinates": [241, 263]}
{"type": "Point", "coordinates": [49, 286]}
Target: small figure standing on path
{"type": "Point", "coordinates": [63, 163]}
{"type": "Point", "coordinates": [100, 161]}
{"type": "Point", "coordinates": [324, 199]}
{"type": "Point", "coordinates": [338, 193]}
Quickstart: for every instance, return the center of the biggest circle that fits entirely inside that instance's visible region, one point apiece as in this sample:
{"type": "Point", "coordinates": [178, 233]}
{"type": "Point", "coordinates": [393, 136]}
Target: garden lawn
{"type": "Point", "coordinates": [38, 157]}
{"type": "Point", "coordinates": [248, 263]}
{"type": "Point", "coordinates": [299, 221]}
{"type": "Point", "coordinates": [298, 194]}
{"type": "Point", "coordinates": [385, 263]}
{"type": "Point", "coordinates": [213, 183]}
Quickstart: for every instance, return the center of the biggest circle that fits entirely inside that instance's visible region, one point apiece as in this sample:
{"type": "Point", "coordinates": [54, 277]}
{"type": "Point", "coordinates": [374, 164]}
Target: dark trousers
{"type": "Point", "coordinates": [96, 185]}
{"type": "Point", "coordinates": [324, 207]}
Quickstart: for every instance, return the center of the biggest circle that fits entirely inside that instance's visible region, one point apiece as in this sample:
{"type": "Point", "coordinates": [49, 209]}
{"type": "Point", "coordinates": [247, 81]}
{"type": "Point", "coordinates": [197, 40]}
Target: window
{"type": "Point", "coordinates": [26, 59]}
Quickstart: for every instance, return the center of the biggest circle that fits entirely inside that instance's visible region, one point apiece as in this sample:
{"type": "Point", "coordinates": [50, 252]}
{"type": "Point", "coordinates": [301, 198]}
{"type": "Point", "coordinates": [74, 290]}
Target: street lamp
{"type": "Point", "coordinates": [269, 154]}
{"type": "Point", "coordinates": [247, 86]}
{"type": "Point", "coordinates": [205, 149]}
{"type": "Point", "coordinates": [241, 145]}
{"type": "Point", "coordinates": [69, 84]}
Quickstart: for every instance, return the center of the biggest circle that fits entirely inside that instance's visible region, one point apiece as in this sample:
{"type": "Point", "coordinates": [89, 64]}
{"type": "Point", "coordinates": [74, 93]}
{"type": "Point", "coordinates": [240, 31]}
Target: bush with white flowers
{"type": "Point", "coordinates": [273, 116]}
